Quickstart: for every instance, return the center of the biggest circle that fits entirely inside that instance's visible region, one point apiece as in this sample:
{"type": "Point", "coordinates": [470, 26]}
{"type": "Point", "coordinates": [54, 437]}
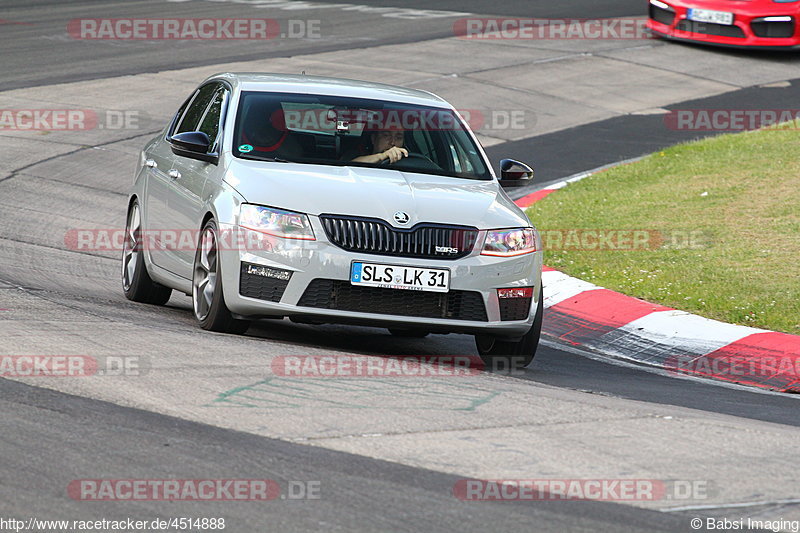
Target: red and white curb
{"type": "Point", "coordinates": [609, 323]}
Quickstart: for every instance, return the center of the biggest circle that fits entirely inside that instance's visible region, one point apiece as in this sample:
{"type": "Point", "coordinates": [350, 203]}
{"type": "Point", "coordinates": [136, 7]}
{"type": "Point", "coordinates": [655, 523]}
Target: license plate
{"type": "Point", "coordinates": [707, 15]}
{"type": "Point", "coordinates": [400, 277]}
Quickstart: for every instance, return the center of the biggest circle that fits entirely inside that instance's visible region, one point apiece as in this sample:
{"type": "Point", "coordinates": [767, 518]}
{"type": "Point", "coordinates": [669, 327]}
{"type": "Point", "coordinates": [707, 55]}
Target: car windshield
{"type": "Point", "coordinates": [332, 130]}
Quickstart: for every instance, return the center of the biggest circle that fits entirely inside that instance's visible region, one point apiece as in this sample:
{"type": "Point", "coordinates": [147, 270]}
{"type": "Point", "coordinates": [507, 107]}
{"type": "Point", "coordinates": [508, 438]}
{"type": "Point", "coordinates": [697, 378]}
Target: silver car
{"type": "Point", "coordinates": [327, 200]}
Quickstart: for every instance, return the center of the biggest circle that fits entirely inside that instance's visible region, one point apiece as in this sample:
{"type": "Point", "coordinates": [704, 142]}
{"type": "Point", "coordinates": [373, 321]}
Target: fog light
{"type": "Point", "coordinates": [266, 272]}
{"type": "Point", "coordinates": [516, 292]}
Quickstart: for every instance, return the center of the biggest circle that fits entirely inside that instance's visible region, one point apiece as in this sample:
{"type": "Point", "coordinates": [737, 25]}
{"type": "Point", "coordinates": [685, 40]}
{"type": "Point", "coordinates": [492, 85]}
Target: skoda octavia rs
{"type": "Point", "coordinates": [756, 23]}
{"type": "Point", "coordinates": [333, 201]}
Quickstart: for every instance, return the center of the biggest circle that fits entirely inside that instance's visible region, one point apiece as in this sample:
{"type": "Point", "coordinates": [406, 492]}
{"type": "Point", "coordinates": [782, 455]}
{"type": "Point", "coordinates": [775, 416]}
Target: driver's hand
{"type": "Point", "coordinates": [395, 154]}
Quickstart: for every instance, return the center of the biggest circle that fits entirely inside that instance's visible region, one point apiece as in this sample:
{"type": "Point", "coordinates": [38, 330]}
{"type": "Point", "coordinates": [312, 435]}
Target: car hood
{"type": "Point", "coordinates": [375, 193]}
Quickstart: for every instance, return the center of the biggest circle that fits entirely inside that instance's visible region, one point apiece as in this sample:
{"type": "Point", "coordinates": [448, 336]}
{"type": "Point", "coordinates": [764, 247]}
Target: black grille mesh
{"type": "Point", "coordinates": [515, 308]}
{"type": "Point", "coordinates": [664, 16]}
{"type": "Point", "coordinates": [341, 295]}
{"type": "Point", "coordinates": [260, 287]}
{"type": "Point", "coordinates": [707, 28]}
{"type": "Point", "coordinates": [375, 236]}
{"type": "Point", "coordinates": [772, 30]}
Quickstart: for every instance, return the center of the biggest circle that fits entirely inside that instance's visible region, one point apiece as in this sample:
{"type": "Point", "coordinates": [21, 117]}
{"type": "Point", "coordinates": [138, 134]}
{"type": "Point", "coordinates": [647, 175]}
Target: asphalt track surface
{"type": "Point", "coordinates": [358, 494]}
{"type": "Point", "coordinates": [50, 438]}
{"type": "Point", "coordinates": [527, 8]}
{"type": "Point", "coordinates": [567, 152]}
{"type": "Point", "coordinates": [31, 31]}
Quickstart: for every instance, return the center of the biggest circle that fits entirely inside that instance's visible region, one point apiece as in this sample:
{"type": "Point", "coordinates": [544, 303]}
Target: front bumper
{"type": "Point", "coordinates": [752, 27]}
{"type": "Point", "coordinates": [318, 267]}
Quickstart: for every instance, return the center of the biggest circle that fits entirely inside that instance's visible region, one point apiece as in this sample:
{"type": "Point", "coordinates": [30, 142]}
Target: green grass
{"type": "Point", "coordinates": [740, 193]}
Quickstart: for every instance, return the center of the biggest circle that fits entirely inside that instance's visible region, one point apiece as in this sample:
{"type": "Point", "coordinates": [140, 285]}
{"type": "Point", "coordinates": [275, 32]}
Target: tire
{"type": "Point", "coordinates": [137, 284]}
{"type": "Point", "coordinates": [208, 300]}
{"type": "Point", "coordinates": [408, 333]}
{"type": "Point", "coordinates": [504, 356]}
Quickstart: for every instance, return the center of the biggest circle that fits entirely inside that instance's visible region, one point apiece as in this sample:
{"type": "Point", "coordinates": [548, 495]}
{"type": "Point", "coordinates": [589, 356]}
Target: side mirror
{"type": "Point", "coordinates": [194, 145]}
{"type": "Point", "coordinates": [514, 174]}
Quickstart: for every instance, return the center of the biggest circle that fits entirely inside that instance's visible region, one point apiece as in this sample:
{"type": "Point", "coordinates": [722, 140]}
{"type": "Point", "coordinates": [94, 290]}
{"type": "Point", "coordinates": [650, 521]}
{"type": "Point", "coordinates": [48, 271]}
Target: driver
{"type": "Point", "coordinates": [385, 145]}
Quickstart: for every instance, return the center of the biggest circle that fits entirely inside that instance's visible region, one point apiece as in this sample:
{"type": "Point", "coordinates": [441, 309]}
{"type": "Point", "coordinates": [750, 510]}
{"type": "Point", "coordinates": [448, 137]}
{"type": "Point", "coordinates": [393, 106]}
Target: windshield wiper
{"type": "Point", "coordinates": [269, 159]}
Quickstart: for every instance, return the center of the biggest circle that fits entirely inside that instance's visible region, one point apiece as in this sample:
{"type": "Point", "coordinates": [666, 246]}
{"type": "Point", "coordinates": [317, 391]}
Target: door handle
{"type": "Point", "coordinates": [150, 163]}
{"type": "Point", "coordinates": [174, 174]}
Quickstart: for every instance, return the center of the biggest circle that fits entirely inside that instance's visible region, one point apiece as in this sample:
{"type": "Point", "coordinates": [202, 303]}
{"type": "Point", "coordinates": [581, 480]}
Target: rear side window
{"type": "Point", "coordinates": [196, 109]}
{"type": "Point", "coordinates": [209, 124]}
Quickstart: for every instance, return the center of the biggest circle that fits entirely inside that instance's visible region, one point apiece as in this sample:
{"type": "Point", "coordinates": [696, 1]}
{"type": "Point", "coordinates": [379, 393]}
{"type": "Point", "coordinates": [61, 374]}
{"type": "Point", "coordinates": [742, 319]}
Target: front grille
{"type": "Point", "coordinates": [342, 296]}
{"type": "Point", "coordinates": [772, 30]}
{"type": "Point", "coordinates": [263, 283]}
{"type": "Point", "coordinates": [375, 236]}
{"type": "Point", "coordinates": [515, 308]}
{"type": "Point", "coordinates": [664, 16]}
{"type": "Point", "coordinates": [707, 28]}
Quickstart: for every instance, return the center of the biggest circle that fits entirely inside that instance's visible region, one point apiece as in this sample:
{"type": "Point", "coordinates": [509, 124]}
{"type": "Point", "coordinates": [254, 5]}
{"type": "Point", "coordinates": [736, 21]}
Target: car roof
{"type": "Point", "coordinates": [322, 85]}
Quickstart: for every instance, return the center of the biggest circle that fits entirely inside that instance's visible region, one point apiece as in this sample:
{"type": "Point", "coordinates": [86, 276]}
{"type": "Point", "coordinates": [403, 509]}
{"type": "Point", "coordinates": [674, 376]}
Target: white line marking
{"type": "Point", "coordinates": [559, 287]}
{"type": "Point", "coordinates": [630, 362]}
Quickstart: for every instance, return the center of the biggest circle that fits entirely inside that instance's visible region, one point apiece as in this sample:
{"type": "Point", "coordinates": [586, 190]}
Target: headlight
{"type": "Point", "coordinates": [286, 224]}
{"type": "Point", "coordinates": [661, 5]}
{"type": "Point", "coordinates": [511, 242]}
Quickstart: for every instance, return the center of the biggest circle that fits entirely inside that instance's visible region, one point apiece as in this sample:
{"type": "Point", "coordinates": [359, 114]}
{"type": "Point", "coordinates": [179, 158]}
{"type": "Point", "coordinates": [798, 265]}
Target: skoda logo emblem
{"type": "Point", "coordinates": [401, 217]}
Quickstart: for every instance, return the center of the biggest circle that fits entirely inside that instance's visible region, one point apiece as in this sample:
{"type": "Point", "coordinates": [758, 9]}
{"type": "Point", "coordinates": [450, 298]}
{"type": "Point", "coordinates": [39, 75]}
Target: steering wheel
{"type": "Point", "coordinates": [414, 160]}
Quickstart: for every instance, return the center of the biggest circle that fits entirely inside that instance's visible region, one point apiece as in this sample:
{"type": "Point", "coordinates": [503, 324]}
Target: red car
{"type": "Point", "coordinates": [741, 23]}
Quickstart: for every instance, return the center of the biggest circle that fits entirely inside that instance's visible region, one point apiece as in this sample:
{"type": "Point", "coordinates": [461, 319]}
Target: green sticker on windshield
{"type": "Point", "coordinates": [245, 148]}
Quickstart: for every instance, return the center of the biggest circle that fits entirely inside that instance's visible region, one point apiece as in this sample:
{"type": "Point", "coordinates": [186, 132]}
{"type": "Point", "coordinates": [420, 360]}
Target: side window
{"type": "Point", "coordinates": [461, 161]}
{"type": "Point", "coordinates": [425, 144]}
{"type": "Point", "coordinates": [209, 124]}
{"type": "Point", "coordinates": [197, 107]}
{"type": "Point", "coordinates": [465, 155]}
{"type": "Point", "coordinates": [180, 113]}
